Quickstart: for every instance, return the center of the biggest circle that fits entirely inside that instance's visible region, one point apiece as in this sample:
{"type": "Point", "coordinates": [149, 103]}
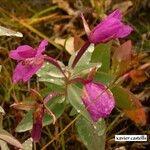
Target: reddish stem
{"type": "Point", "coordinates": [54, 62]}
{"type": "Point", "coordinates": [51, 95]}
{"type": "Point", "coordinates": [80, 80]}
{"type": "Point", "coordinates": [80, 53]}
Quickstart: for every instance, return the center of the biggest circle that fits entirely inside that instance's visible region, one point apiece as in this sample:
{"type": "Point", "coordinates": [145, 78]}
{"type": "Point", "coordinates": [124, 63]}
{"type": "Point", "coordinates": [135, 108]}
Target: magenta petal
{"type": "Point", "coordinates": [104, 104]}
{"type": "Point", "coordinates": [124, 31]}
{"type": "Point", "coordinates": [27, 53]}
{"type": "Point", "coordinates": [105, 31]}
{"type": "Point", "coordinates": [41, 47]}
{"type": "Point", "coordinates": [14, 55]}
{"type": "Point", "coordinates": [115, 14]}
{"type": "Point", "coordinates": [19, 72]}
{"type": "Point", "coordinates": [30, 71]}
{"type": "Point", "coordinates": [109, 28]}
{"type": "Point", "coordinates": [22, 52]}
{"type": "Point", "coordinates": [24, 73]}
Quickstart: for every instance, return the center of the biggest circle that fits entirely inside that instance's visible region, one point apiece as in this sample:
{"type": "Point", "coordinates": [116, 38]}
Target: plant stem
{"type": "Point", "coordinates": [54, 62]}
{"type": "Point", "coordinates": [62, 136]}
{"type": "Point", "coordinates": [80, 53]}
{"type": "Point", "coordinates": [80, 80]}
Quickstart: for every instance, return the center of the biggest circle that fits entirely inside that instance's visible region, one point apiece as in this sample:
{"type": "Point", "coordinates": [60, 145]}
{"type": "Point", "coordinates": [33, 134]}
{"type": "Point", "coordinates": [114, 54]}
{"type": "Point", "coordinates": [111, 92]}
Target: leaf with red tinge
{"type": "Point", "coordinates": [121, 58]}
{"type": "Point", "coordinates": [23, 106]}
{"type": "Point", "coordinates": [137, 115]}
{"type": "Point", "coordinates": [139, 75]}
{"type": "Point", "coordinates": [130, 105]}
{"type": "Point", "coordinates": [7, 137]}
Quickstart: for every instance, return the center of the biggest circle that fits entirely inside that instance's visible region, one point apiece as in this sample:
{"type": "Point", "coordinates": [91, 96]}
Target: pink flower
{"type": "Point", "coordinates": [99, 102]}
{"type": "Point", "coordinates": [109, 28]}
{"type": "Point", "coordinates": [29, 61]}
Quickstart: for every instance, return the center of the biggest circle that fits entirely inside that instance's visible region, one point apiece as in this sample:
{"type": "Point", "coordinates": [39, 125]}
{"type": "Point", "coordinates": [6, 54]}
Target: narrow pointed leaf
{"type": "Point", "coordinates": [23, 106]}
{"type": "Point", "coordinates": [8, 32]}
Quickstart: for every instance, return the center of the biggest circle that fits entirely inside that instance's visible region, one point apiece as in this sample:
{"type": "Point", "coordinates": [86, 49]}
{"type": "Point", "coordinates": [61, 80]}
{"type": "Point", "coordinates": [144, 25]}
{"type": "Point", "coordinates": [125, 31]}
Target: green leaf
{"type": "Point", "coordinates": [84, 69]}
{"type": "Point", "coordinates": [49, 79]}
{"type": "Point", "coordinates": [73, 95]}
{"type": "Point", "coordinates": [40, 13]}
{"type": "Point", "coordinates": [50, 73]}
{"type": "Point", "coordinates": [122, 98]}
{"type": "Point", "coordinates": [50, 88]}
{"type": "Point", "coordinates": [56, 107]}
{"type": "Point", "coordinates": [86, 57]}
{"type": "Point", "coordinates": [103, 78]}
{"type": "Point", "coordinates": [102, 54]}
{"type": "Point", "coordinates": [7, 137]}
{"type": "Point", "coordinates": [93, 135]}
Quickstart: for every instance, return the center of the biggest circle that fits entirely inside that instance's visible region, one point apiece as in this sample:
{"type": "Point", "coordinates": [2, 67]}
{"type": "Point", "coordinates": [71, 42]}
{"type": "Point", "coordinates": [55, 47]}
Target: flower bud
{"type": "Point", "coordinates": [109, 28]}
{"type": "Point", "coordinates": [98, 100]}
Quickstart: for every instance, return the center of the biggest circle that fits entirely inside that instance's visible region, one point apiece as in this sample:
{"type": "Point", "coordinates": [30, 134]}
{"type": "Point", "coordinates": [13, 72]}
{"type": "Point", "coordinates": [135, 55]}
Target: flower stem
{"type": "Point", "coordinates": [50, 113]}
{"type": "Point", "coordinates": [54, 62]}
{"type": "Point", "coordinates": [80, 80]}
{"type": "Point", "coordinates": [51, 95]}
{"type": "Point", "coordinates": [80, 53]}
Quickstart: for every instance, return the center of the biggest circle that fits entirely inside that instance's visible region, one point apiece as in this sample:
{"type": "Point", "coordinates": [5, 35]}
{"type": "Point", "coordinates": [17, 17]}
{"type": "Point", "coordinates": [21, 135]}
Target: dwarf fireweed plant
{"type": "Point", "coordinates": [83, 85]}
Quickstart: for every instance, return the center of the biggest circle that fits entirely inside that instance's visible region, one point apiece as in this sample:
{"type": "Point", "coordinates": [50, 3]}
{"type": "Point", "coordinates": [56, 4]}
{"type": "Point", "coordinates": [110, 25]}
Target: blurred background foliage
{"type": "Point", "coordinates": [57, 20]}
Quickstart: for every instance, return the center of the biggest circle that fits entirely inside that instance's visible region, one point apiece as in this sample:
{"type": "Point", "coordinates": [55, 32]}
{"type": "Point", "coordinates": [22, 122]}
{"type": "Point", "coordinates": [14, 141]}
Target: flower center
{"type": "Point", "coordinates": [32, 61]}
